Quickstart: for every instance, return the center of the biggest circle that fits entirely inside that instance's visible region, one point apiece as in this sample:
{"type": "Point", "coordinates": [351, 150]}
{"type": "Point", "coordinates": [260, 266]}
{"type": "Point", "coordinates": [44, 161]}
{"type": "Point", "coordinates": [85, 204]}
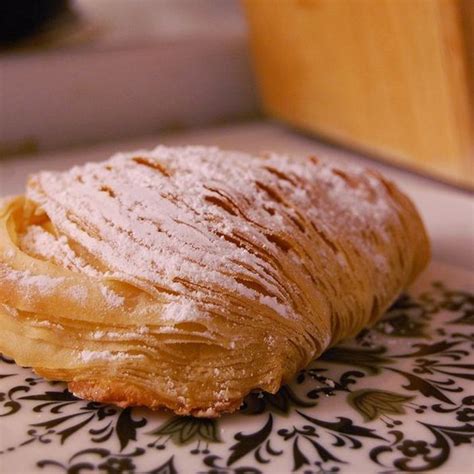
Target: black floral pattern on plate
{"type": "Point", "coordinates": [384, 389]}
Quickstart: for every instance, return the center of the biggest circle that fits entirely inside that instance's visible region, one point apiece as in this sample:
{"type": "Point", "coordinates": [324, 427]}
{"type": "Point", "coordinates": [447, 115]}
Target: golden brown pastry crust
{"type": "Point", "coordinates": [185, 278]}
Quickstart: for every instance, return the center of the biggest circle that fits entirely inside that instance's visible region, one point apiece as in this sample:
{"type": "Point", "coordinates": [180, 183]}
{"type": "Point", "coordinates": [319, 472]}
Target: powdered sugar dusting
{"type": "Point", "coordinates": [10, 310]}
{"type": "Point", "coordinates": [180, 311]}
{"type": "Point", "coordinates": [44, 245]}
{"type": "Point", "coordinates": [78, 293]}
{"type": "Point", "coordinates": [113, 299]}
{"type": "Point", "coordinates": [87, 356]}
{"type": "Point", "coordinates": [47, 324]}
{"type": "Point", "coordinates": [121, 335]}
{"type": "Point", "coordinates": [176, 220]}
{"type": "Point", "coordinates": [43, 283]}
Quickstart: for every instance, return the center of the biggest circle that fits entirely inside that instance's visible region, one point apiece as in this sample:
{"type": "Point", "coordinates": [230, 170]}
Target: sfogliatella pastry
{"type": "Point", "coordinates": [187, 277]}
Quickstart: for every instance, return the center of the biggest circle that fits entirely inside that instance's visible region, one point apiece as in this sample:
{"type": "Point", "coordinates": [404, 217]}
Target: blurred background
{"type": "Point", "coordinates": [82, 71]}
{"type": "Point", "coordinates": [393, 79]}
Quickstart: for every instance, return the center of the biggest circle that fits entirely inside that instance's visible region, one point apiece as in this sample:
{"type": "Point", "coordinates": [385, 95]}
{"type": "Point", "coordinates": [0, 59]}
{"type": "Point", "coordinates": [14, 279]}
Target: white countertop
{"type": "Point", "coordinates": [447, 212]}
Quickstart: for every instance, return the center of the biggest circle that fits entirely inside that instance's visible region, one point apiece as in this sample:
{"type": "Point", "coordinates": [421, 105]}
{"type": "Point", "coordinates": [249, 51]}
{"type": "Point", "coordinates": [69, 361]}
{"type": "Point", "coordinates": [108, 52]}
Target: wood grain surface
{"type": "Point", "coordinates": [390, 77]}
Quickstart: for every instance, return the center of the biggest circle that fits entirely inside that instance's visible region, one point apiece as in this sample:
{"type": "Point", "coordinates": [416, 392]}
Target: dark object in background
{"type": "Point", "coordinates": [20, 19]}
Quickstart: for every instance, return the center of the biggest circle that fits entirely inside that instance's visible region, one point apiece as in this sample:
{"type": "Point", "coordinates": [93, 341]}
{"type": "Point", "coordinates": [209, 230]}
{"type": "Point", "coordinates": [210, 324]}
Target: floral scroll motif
{"type": "Point", "coordinates": [395, 399]}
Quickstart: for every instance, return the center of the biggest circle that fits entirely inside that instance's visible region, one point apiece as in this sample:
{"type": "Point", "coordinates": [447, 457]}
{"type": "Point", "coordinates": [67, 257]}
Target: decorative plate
{"type": "Point", "coordinates": [397, 398]}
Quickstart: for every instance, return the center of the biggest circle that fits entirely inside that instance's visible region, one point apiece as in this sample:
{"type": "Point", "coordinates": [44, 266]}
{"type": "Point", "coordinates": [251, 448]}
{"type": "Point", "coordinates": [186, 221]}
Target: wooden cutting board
{"type": "Point", "coordinates": [394, 78]}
